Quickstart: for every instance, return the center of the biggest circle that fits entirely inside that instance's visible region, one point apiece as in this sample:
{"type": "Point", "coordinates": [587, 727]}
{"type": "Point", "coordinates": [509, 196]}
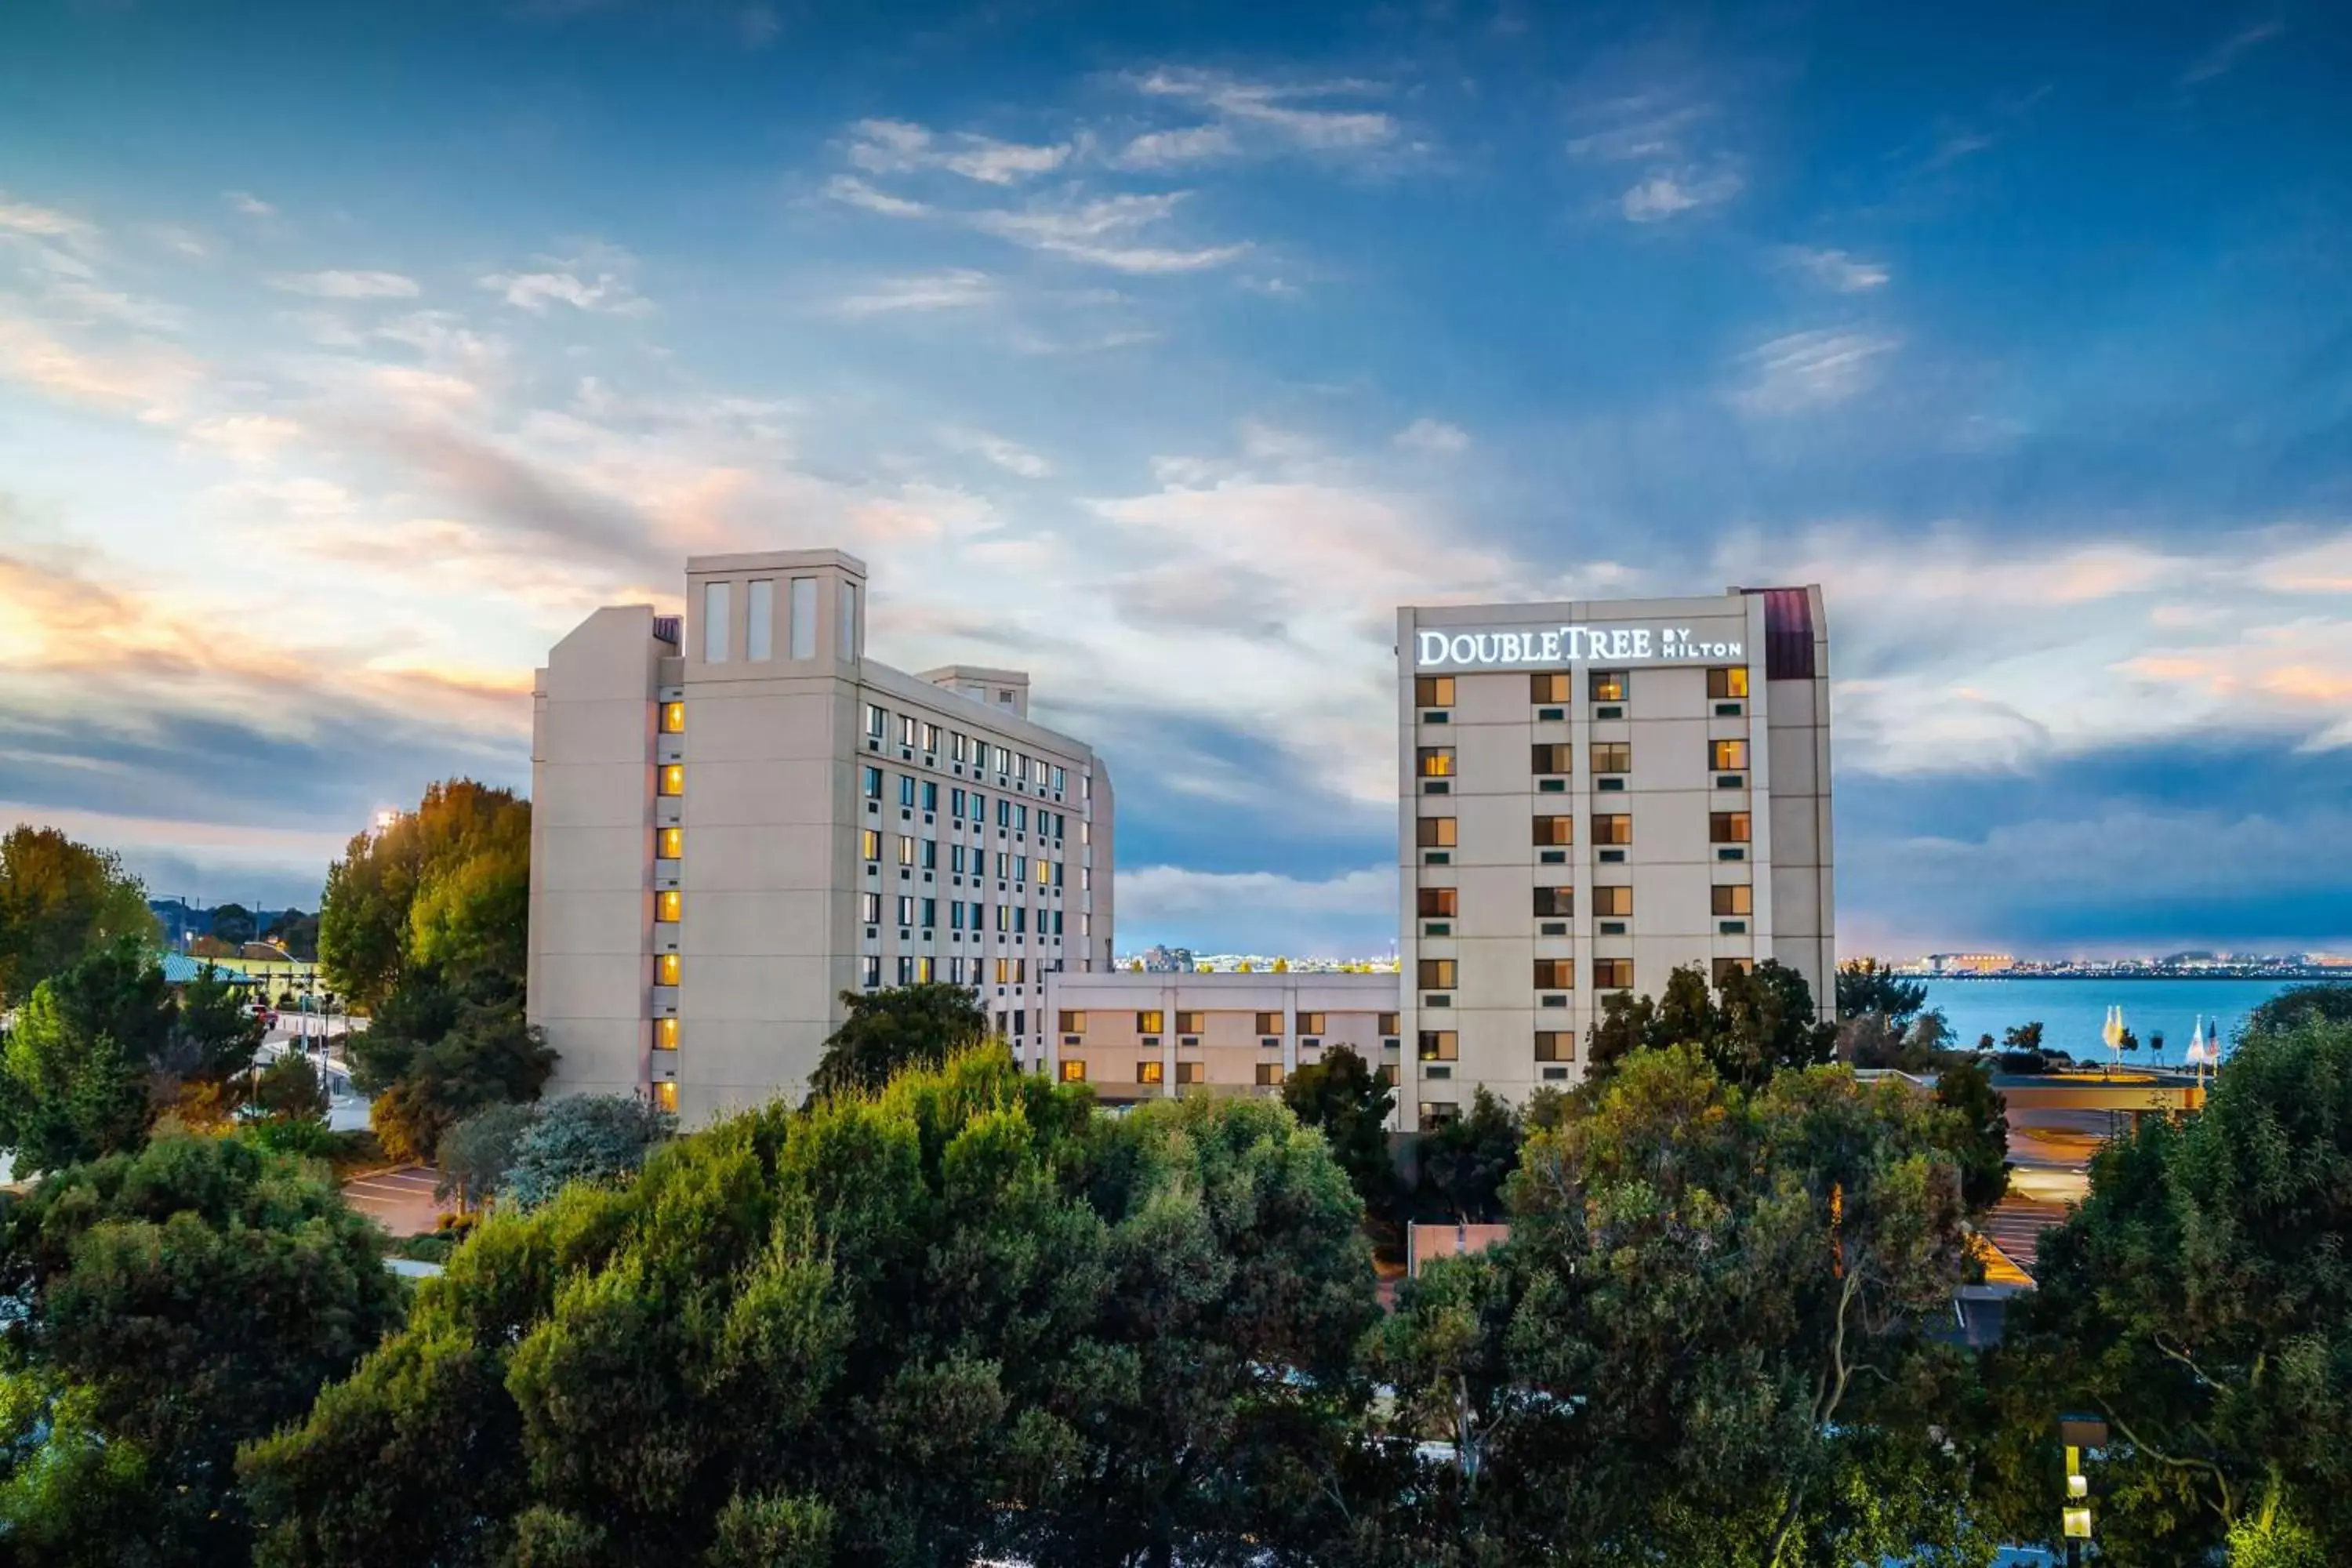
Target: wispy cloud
{"type": "Point", "coordinates": [900, 146]}
{"type": "Point", "coordinates": [346, 285]}
{"type": "Point", "coordinates": [1804, 370]}
{"type": "Point", "coordinates": [1297, 114]}
{"type": "Point", "coordinates": [44, 223]}
{"type": "Point", "coordinates": [1012, 457]}
{"type": "Point", "coordinates": [1838, 269]}
{"type": "Point", "coordinates": [959, 289]}
{"type": "Point", "coordinates": [1434, 437]}
{"type": "Point", "coordinates": [1665, 195]}
{"type": "Point", "coordinates": [851, 191]}
{"type": "Point", "coordinates": [605, 288]}
{"type": "Point", "coordinates": [1173, 149]}
{"type": "Point", "coordinates": [2225, 55]}
{"type": "Point", "coordinates": [1121, 232]}
{"type": "Point", "coordinates": [247, 203]}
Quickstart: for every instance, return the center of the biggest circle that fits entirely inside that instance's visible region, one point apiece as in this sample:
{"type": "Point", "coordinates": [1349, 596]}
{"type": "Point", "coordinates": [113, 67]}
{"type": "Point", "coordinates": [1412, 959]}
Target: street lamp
{"type": "Point", "coordinates": [2078, 1434]}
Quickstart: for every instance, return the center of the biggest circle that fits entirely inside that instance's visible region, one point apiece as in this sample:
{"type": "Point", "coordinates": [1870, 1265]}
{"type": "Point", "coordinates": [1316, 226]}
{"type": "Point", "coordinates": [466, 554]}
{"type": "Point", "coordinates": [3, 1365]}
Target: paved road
{"type": "Point", "coordinates": [399, 1200]}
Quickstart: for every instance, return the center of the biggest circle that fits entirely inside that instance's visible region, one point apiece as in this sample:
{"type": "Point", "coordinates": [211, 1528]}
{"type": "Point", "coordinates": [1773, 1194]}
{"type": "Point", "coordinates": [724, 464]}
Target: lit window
{"type": "Point", "coordinates": [1551, 759]}
{"type": "Point", "coordinates": [906, 909]}
{"type": "Point", "coordinates": [1439, 1045]}
{"type": "Point", "coordinates": [1269, 1023]}
{"type": "Point", "coordinates": [906, 722]}
{"type": "Point", "coordinates": [1438, 903]}
{"type": "Point", "coordinates": [1073, 1070]}
{"type": "Point", "coordinates": [1149, 1072]}
{"type": "Point", "coordinates": [1313, 1023]}
{"type": "Point", "coordinates": [759, 620]}
{"type": "Point", "coordinates": [1073, 1023]}
{"type": "Point", "coordinates": [1269, 1074]}
{"type": "Point", "coordinates": [1435, 832]}
{"type": "Point", "coordinates": [1433, 691]}
{"type": "Point", "coordinates": [931, 736]}
{"type": "Point", "coordinates": [906, 850]}
{"type": "Point", "coordinates": [1556, 902]}
{"type": "Point", "coordinates": [1437, 975]}
{"type": "Point", "coordinates": [1612, 829]}
{"type": "Point", "coordinates": [869, 908]}
{"type": "Point", "coordinates": [1555, 974]}
{"type": "Point", "coordinates": [1726, 826]}
{"type": "Point", "coordinates": [1729, 756]}
{"type": "Point", "coordinates": [666, 1095]}
{"type": "Point", "coordinates": [1736, 898]}
{"type": "Point", "coordinates": [1150, 1022]}
{"type": "Point", "coordinates": [674, 718]}
{"type": "Point", "coordinates": [923, 971]}
{"type": "Point", "coordinates": [673, 779]}
{"type": "Point", "coordinates": [1555, 830]}
{"type": "Point", "coordinates": [1548, 687]}
{"type": "Point", "coordinates": [1731, 682]}
{"type": "Point", "coordinates": [670, 843]}
{"type": "Point", "coordinates": [870, 844]}
{"type": "Point", "coordinates": [665, 1034]}
{"type": "Point", "coordinates": [1609, 686]}
{"type": "Point", "coordinates": [1613, 974]}
{"type": "Point", "coordinates": [667, 904]}
{"type": "Point", "coordinates": [1613, 757]}
{"type": "Point", "coordinates": [714, 623]}
{"type": "Point", "coordinates": [1437, 761]}
{"type": "Point", "coordinates": [665, 969]}
{"type": "Point", "coordinates": [1555, 1046]}
{"type": "Point", "coordinates": [1613, 903]}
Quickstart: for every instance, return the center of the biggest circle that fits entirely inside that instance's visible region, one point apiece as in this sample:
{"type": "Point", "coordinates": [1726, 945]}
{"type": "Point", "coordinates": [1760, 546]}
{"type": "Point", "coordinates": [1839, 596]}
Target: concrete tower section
{"type": "Point", "coordinates": [737, 815]}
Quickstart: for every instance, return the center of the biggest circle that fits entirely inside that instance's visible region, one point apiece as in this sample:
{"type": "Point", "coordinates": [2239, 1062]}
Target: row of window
{"type": "Point", "coordinates": [1609, 903]}
{"type": "Point", "coordinates": [1549, 687]}
{"type": "Point", "coordinates": [1609, 828]}
{"type": "Point", "coordinates": [920, 734]}
{"type": "Point", "coordinates": [759, 619]}
{"type": "Point", "coordinates": [1555, 760]}
{"type": "Point", "coordinates": [924, 853]}
{"type": "Point", "coordinates": [968, 805]}
{"type": "Point", "coordinates": [1189, 1022]}
{"type": "Point", "coordinates": [1560, 974]}
{"type": "Point", "coordinates": [1013, 918]}
{"type": "Point", "coordinates": [920, 970]}
{"type": "Point", "coordinates": [1446, 1045]}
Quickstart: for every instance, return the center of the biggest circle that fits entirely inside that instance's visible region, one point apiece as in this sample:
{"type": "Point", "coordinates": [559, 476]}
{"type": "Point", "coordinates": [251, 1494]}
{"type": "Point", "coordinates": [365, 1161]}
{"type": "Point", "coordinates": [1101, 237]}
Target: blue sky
{"type": "Point", "coordinates": [349, 354]}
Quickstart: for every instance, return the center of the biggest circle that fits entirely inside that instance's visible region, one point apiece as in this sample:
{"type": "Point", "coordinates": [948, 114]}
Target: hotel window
{"type": "Point", "coordinates": [1073, 1023]}
{"type": "Point", "coordinates": [673, 718]}
{"type": "Point", "coordinates": [1554, 974]}
{"type": "Point", "coordinates": [1002, 757]}
{"type": "Point", "coordinates": [1617, 828]}
{"type": "Point", "coordinates": [906, 850]}
{"type": "Point", "coordinates": [1440, 1045]}
{"type": "Point", "coordinates": [1725, 683]}
{"type": "Point", "coordinates": [1269, 1023]}
{"type": "Point", "coordinates": [1613, 757]}
{"type": "Point", "coordinates": [1555, 1046]}
{"type": "Point", "coordinates": [906, 722]}
{"type": "Point", "coordinates": [1314, 1023]}
{"type": "Point", "coordinates": [1613, 903]}
{"type": "Point", "coordinates": [870, 969]}
{"type": "Point", "coordinates": [955, 808]}
{"type": "Point", "coordinates": [1188, 1023]}
{"type": "Point", "coordinates": [1075, 1071]}
{"type": "Point", "coordinates": [906, 909]}
{"type": "Point", "coordinates": [847, 637]}
{"type": "Point", "coordinates": [1437, 973]}
{"type": "Point", "coordinates": [1434, 832]}
{"type": "Point", "coordinates": [923, 971]}
{"type": "Point", "coordinates": [871, 845]}
{"type": "Point", "coordinates": [905, 970]}
{"type": "Point", "coordinates": [759, 619]}
{"type": "Point", "coordinates": [1729, 756]}
{"type": "Point", "coordinates": [1613, 974]}
{"type": "Point", "coordinates": [803, 617]}
{"type": "Point", "coordinates": [869, 908]}
{"type": "Point", "coordinates": [664, 1033]}
{"type": "Point", "coordinates": [1726, 826]}
{"type": "Point", "coordinates": [1548, 687]}
{"type": "Point", "coordinates": [1609, 686]}
{"type": "Point", "coordinates": [906, 791]}
{"type": "Point", "coordinates": [669, 843]}
{"type": "Point", "coordinates": [1438, 903]}
{"type": "Point", "coordinates": [1734, 899]}
{"type": "Point", "coordinates": [1556, 901]}
{"type": "Point", "coordinates": [668, 905]}
{"type": "Point", "coordinates": [1724, 968]}
{"type": "Point", "coordinates": [871, 781]}
{"type": "Point", "coordinates": [1388, 1023]}
{"type": "Point", "coordinates": [1555, 830]}
{"type": "Point", "coordinates": [877, 722]}
{"type": "Point", "coordinates": [1150, 1022]}
{"type": "Point", "coordinates": [1149, 1072]}
{"type": "Point", "coordinates": [673, 779]}
{"type": "Point", "coordinates": [714, 623]}
{"type": "Point", "coordinates": [1437, 761]}
{"type": "Point", "coordinates": [1187, 1072]}
{"type": "Point", "coordinates": [665, 969]}
{"type": "Point", "coordinates": [1433, 691]}
{"type": "Point", "coordinates": [930, 854]}
{"type": "Point", "coordinates": [1550, 759]}
{"type": "Point", "coordinates": [931, 736]}
{"type": "Point", "coordinates": [666, 1096]}
{"type": "Point", "coordinates": [1269, 1074]}
{"type": "Point", "coordinates": [1435, 1116]}
{"type": "Point", "coordinates": [1061, 780]}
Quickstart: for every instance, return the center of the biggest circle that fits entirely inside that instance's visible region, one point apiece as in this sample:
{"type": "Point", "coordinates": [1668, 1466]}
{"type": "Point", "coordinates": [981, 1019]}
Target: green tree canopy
{"type": "Point", "coordinates": [583, 1137]}
{"type": "Point", "coordinates": [1866, 988]}
{"type": "Point", "coordinates": [1465, 1161]}
{"type": "Point", "coordinates": [892, 1031]}
{"type": "Point", "coordinates": [968, 1315]}
{"type": "Point", "coordinates": [441, 1048]}
{"type": "Point", "coordinates": [1344, 1099]}
{"type": "Point", "coordinates": [1757, 1023]}
{"type": "Point", "coordinates": [58, 901]}
{"type": "Point", "coordinates": [175, 1302]}
{"type": "Point", "coordinates": [448, 885]}
{"type": "Point", "coordinates": [2329, 1000]}
{"type": "Point", "coordinates": [1981, 1131]}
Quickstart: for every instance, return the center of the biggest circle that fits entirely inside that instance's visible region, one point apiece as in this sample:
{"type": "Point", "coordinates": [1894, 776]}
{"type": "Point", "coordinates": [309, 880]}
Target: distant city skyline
{"type": "Point", "coordinates": [347, 355]}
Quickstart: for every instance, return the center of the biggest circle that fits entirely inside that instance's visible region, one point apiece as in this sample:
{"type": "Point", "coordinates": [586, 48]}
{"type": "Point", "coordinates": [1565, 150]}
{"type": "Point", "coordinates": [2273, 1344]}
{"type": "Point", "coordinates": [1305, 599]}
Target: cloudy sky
{"type": "Point", "coordinates": [349, 355]}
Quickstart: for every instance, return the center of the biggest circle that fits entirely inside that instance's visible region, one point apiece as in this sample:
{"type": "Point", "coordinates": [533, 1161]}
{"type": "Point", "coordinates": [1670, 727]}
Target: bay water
{"type": "Point", "coordinates": [2073, 1012]}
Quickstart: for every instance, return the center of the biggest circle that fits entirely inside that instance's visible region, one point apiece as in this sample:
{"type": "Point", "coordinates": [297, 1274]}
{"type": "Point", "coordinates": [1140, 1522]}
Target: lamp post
{"type": "Point", "coordinates": [2078, 1436]}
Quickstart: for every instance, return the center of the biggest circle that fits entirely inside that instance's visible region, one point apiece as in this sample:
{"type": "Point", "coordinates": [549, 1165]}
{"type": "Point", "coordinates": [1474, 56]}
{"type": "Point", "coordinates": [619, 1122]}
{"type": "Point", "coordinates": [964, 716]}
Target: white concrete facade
{"type": "Point", "coordinates": [737, 815]}
{"type": "Point", "coordinates": [1139, 1037]}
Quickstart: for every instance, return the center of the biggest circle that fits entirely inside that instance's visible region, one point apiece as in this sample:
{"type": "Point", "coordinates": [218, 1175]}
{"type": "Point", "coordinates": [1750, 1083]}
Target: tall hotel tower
{"type": "Point", "coordinates": [737, 817]}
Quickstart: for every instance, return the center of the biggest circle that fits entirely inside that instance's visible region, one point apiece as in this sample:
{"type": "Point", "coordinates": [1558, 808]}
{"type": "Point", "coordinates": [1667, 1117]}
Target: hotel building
{"type": "Point", "coordinates": [737, 815]}
{"type": "Point", "coordinates": [1591, 795]}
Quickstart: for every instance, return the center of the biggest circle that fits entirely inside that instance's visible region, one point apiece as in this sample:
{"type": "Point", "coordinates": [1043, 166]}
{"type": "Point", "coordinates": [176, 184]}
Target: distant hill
{"type": "Point", "coordinates": [182, 922]}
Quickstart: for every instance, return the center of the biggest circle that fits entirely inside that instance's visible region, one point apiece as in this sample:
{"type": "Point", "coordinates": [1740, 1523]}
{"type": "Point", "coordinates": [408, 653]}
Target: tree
{"type": "Point", "coordinates": [889, 1032]}
{"type": "Point", "coordinates": [1704, 1340]}
{"type": "Point", "coordinates": [967, 1316]}
{"type": "Point", "coordinates": [233, 924]}
{"type": "Point", "coordinates": [2197, 1298]}
{"type": "Point", "coordinates": [1349, 1102]}
{"type": "Point", "coordinates": [441, 1048]}
{"type": "Point", "coordinates": [1759, 1022]}
{"type": "Point", "coordinates": [2327, 1000]}
{"type": "Point", "coordinates": [478, 1151]}
{"type": "Point", "coordinates": [58, 901]}
{"type": "Point", "coordinates": [290, 1090]}
{"type": "Point", "coordinates": [448, 885]}
{"type": "Point", "coordinates": [1466, 1162]}
{"type": "Point", "coordinates": [297, 932]}
{"type": "Point", "coordinates": [583, 1137]}
{"type": "Point", "coordinates": [1981, 1131]}
{"type": "Point", "coordinates": [1868, 988]}
{"type": "Point", "coordinates": [175, 1302]}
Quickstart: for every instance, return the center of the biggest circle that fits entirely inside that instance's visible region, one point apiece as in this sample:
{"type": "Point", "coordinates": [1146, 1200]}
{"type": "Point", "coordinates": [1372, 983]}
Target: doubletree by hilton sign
{"type": "Point", "coordinates": [1566, 645]}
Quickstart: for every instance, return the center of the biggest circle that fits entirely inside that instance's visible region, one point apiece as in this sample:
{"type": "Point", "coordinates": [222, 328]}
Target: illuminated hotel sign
{"type": "Point", "coordinates": [1565, 644]}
